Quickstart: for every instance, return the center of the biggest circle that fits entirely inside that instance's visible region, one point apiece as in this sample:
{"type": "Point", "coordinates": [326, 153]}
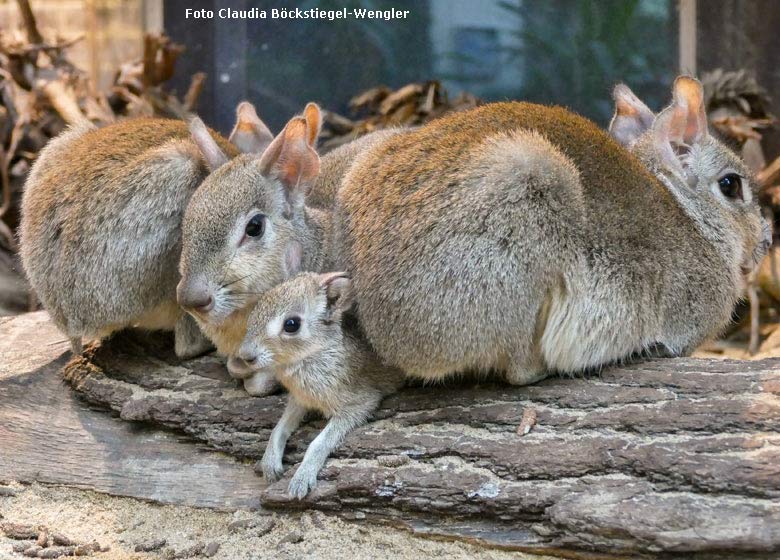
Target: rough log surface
{"type": "Point", "coordinates": [670, 457]}
{"type": "Point", "coordinates": [49, 435]}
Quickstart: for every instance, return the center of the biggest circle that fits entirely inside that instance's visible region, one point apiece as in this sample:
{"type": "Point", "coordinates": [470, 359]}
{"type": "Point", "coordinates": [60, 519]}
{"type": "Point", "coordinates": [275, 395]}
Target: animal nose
{"type": "Point", "coordinates": [248, 356]}
{"type": "Point", "coordinates": [194, 298]}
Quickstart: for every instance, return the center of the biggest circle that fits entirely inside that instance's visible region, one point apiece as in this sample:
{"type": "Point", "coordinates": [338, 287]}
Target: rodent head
{"type": "Point", "coordinates": [711, 183]}
{"type": "Point", "coordinates": [246, 215]}
{"type": "Point", "coordinates": [296, 320]}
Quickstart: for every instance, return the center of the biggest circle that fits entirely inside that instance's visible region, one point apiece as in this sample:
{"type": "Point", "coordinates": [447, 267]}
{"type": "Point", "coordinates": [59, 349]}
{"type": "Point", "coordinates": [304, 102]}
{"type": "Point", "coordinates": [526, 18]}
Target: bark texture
{"type": "Point", "coordinates": [671, 457]}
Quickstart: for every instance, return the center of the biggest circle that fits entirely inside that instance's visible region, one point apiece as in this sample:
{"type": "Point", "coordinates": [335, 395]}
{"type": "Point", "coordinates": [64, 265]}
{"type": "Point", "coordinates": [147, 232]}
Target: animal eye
{"type": "Point", "coordinates": [256, 226]}
{"type": "Point", "coordinates": [731, 185]}
{"type": "Point", "coordinates": [292, 325]}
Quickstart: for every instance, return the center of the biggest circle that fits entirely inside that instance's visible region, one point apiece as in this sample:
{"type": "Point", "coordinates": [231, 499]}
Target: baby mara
{"type": "Point", "coordinates": [298, 332]}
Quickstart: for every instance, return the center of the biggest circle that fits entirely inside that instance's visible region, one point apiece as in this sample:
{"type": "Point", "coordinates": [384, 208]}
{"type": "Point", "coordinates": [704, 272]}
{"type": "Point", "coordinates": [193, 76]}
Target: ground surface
{"type": "Point", "coordinates": [123, 523]}
{"type": "Point", "coordinates": [672, 457]}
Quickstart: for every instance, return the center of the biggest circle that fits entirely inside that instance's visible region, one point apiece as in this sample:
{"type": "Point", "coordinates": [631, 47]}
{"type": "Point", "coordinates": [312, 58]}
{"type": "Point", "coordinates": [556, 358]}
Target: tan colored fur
{"type": "Point", "coordinates": [101, 224]}
{"type": "Point", "coordinates": [456, 232]}
{"type": "Point", "coordinates": [325, 366]}
{"type": "Point", "coordinates": [237, 275]}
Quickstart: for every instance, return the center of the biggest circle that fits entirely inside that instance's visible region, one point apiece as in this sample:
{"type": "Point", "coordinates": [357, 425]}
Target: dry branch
{"type": "Point", "coordinates": [412, 105]}
{"type": "Point", "coordinates": [30, 25]}
{"type": "Point", "coordinates": [41, 92]}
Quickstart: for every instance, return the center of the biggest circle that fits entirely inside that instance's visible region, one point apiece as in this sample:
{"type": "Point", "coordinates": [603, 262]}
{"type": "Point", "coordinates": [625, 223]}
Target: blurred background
{"type": "Point", "coordinates": [110, 59]}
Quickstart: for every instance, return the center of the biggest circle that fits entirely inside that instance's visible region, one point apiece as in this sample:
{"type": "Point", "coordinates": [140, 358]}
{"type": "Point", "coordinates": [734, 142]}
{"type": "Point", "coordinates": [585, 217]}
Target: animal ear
{"type": "Point", "coordinates": [632, 117]}
{"type": "Point", "coordinates": [250, 135]}
{"type": "Point", "coordinates": [209, 149]}
{"type": "Point", "coordinates": [292, 159]}
{"type": "Point", "coordinates": [292, 259]}
{"type": "Point", "coordinates": [682, 125]}
{"type": "Point", "coordinates": [313, 117]}
{"type": "Point", "coordinates": [340, 297]}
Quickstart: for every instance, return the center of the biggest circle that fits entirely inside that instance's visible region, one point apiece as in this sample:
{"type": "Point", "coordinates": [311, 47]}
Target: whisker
{"type": "Point", "coordinates": [225, 271]}
{"type": "Point", "coordinates": [234, 281]}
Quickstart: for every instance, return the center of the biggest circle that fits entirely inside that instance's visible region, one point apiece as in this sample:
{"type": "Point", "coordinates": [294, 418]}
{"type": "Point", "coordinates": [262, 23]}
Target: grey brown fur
{"type": "Point", "coordinates": [217, 259]}
{"type": "Point", "coordinates": [521, 238]}
{"type": "Point", "coordinates": [101, 227]}
{"type": "Point", "coordinates": [325, 366]}
{"type": "Point", "coordinates": [337, 163]}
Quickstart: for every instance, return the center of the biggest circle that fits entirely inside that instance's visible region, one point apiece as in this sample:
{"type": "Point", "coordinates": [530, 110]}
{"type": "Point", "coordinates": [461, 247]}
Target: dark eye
{"type": "Point", "coordinates": [256, 226]}
{"type": "Point", "coordinates": [292, 324]}
{"type": "Point", "coordinates": [731, 185]}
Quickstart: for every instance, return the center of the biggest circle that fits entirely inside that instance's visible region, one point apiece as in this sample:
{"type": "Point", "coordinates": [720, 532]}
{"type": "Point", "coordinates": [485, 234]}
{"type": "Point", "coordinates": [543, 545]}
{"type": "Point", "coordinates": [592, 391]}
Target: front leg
{"type": "Point", "coordinates": [261, 383]}
{"type": "Point", "coordinates": [238, 368]}
{"type": "Point", "coordinates": [338, 427]}
{"type": "Point", "coordinates": [274, 451]}
{"type": "Point", "coordinates": [189, 340]}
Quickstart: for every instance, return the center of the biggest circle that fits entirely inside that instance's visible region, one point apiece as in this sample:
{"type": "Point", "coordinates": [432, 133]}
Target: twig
{"type": "Point", "coordinates": [193, 93]}
{"type": "Point", "coordinates": [31, 27]}
{"type": "Point", "coordinates": [62, 100]}
{"type": "Point", "coordinates": [52, 49]}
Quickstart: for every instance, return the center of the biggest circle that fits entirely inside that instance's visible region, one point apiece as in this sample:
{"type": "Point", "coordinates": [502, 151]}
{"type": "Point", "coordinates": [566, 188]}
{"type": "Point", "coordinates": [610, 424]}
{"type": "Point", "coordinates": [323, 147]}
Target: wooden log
{"type": "Point", "coordinates": [673, 456]}
{"type": "Point", "coordinates": [49, 435]}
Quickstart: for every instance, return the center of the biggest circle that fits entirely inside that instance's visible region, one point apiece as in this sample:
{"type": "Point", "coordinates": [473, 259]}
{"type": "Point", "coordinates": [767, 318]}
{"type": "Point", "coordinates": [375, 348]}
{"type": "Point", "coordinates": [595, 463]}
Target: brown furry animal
{"type": "Point", "coordinates": [512, 237]}
{"type": "Point", "coordinates": [101, 226]}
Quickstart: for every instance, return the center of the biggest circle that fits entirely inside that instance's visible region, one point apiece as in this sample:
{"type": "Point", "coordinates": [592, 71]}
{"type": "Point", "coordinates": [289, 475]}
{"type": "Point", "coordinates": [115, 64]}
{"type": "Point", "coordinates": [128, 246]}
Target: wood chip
{"type": "Point", "coordinates": [19, 532]}
{"type": "Point", "coordinates": [527, 422]}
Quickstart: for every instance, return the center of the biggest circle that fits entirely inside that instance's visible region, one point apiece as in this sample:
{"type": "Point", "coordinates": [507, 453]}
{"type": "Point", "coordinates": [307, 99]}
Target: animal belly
{"type": "Point", "coordinates": [589, 332]}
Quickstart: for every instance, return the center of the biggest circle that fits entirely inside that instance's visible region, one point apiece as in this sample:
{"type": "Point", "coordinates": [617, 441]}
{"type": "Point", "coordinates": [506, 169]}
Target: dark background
{"type": "Point", "coordinates": [569, 52]}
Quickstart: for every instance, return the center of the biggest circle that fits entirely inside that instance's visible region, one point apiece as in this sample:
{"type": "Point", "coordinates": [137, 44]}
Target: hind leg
{"type": "Point", "coordinates": [189, 339]}
{"type": "Point", "coordinates": [525, 371]}
{"type": "Point", "coordinates": [525, 376]}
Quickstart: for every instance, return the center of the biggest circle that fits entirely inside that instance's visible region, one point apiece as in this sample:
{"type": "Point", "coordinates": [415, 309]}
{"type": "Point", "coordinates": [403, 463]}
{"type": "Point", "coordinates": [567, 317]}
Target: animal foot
{"type": "Point", "coordinates": [272, 468]}
{"type": "Point", "coordinates": [261, 384]}
{"type": "Point", "coordinates": [302, 483]}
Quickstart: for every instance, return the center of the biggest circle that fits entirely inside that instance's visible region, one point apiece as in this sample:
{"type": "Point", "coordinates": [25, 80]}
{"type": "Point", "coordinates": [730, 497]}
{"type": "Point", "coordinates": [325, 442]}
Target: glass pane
{"type": "Point", "coordinates": [568, 52]}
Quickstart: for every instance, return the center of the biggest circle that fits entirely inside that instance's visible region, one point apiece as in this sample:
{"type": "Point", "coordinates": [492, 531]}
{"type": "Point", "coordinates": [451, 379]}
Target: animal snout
{"type": "Point", "coordinates": [249, 355]}
{"type": "Point", "coordinates": [194, 297]}
{"type": "Point", "coordinates": [256, 358]}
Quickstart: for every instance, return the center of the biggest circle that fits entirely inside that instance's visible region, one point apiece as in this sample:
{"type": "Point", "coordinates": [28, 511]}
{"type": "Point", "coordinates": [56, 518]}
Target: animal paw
{"type": "Point", "coordinates": [261, 384]}
{"type": "Point", "coordinates": [272, 468]}
{"type": "Point", "coordinates": [238, 368]}
{"type": "Point", "coordinates": [302, 483]}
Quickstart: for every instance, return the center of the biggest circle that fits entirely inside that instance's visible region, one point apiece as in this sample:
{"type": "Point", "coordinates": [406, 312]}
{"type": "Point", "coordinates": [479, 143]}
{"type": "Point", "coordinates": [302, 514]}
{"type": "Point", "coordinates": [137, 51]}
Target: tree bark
{"type": "Point", "coordinates": [672, 456]}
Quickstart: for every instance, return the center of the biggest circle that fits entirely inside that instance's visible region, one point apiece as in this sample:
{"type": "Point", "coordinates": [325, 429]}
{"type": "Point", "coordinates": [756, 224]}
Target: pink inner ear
{"type": "Point", "coordinates": [297, 163]}
{"type": "Point", "coordinates": [691, 123]}
{"type": "Point", "coordinates": [327, 278]}
{"type": "Point", "coordinates": [313, 118]}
